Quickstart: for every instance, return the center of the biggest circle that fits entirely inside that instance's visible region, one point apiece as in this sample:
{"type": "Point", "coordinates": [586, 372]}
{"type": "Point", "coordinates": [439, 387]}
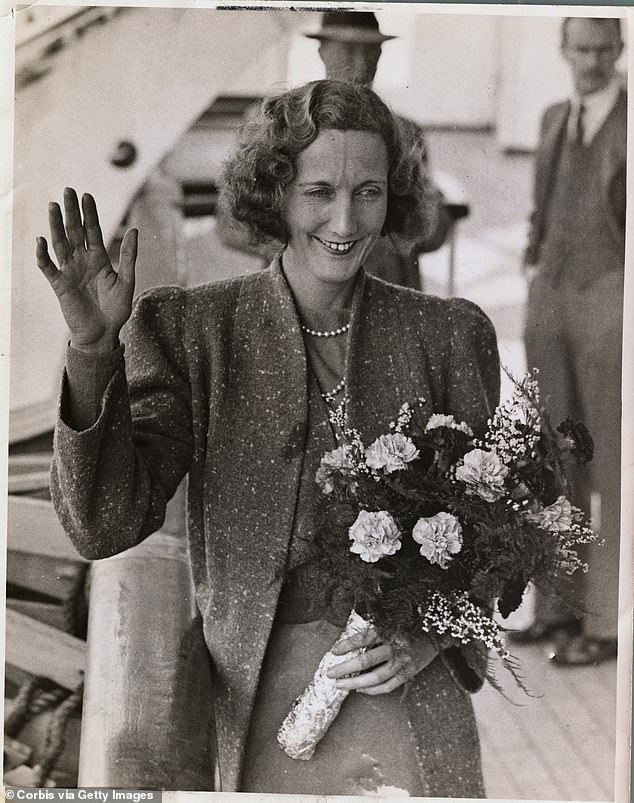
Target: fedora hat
{"type": "Point", "coordinates": [350, 26]}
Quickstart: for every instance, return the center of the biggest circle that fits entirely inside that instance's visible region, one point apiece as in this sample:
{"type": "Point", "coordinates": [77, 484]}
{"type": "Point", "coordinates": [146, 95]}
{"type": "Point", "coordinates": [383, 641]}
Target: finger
{"type": "Point", "coordinates": [365, 639]}
{"type": "Point", "coordinates": [395, 682]}
{"type": "Point", "coordinates": [94, 237]}
{"type": "Point", "coordinates": [127, 257]}
{"type": "Point", "coordinates": [44, 262]}
{"type": "Point", "coordinates": [59, 242]}
{"type": "Point", "coordinates": [74, 227]}
{"type": "Point", "coordinates": [362, 662]}
{"type": "Point", "coordinates": [379, 675]}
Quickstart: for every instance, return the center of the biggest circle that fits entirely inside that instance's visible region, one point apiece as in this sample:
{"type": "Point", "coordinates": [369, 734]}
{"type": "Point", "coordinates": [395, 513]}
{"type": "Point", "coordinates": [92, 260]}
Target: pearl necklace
{"type": "Point", "coordinates": [331, 333]}
{"type": "Point", "coordinates": [332, 394]}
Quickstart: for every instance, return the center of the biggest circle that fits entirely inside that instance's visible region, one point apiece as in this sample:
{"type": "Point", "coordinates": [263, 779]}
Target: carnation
{"type": "Point", "coordinates": [334, 464]}
{"type": "Point", "coordinates": [438, 420]}
{"type": "Point", "coordinates": [576, 439]}
{"type": "Point", "coordinates": [440, 537]}
{"type": "Point", "coordinates": [558, 517]}
{"type": "Point", "coordinates": [391, 452]}
{"type": "Point", "coordinates": [483, 473]}
{"type": "Point", "coordinates": [374, 535]}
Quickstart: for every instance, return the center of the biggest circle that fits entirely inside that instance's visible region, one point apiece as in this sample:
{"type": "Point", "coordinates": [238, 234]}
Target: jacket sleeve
{"type": "Point", "coordinates": [472, 386]}
{"type": "Point", "coordinates": [540, 179]}
{"type": "Point", "coordinates": [110, 483]}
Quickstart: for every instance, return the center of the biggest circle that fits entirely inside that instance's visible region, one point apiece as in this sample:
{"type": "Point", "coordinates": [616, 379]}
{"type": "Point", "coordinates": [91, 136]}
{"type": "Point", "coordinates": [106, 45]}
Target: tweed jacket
{"type": "Point", "coordinates": [613, 172]}
{"type": "Point", "coordinates": [217, 388]}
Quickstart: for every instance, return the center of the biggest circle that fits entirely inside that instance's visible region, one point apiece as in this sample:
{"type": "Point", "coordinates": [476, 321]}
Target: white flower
{"type": "Point", "coordinates": [438, 420]}
{"type": "Point", "coordinates": [483, 472]}
{"type": "Point", "coordinates": [338, 461]}
{"type": "Point", "coordinates": [374, 535]}
{"type": "Point", "coordinates": [391, 452]}
{"type": "Point", "coordinates": [523, 412]}
{"type": "Point", "coordinates": [557, 518]}
{"type": "Point", "coordinates": [440, 537]}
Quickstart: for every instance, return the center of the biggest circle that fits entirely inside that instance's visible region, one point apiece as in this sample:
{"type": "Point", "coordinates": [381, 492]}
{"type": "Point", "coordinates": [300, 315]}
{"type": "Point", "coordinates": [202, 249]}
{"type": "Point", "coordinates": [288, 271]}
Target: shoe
{"type": "Point", "coordinates": [543, 631]}
{"type": "Point", "coordinates": [584, 651]}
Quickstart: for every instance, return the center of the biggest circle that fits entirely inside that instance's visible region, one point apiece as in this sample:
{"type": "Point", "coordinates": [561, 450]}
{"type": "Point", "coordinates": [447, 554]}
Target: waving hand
{"type": "Point", "coordinates": [95, 299]}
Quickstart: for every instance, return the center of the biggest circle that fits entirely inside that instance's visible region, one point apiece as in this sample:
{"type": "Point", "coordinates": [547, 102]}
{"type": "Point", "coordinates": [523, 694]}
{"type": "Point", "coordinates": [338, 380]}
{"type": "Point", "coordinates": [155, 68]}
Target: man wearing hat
{"type": "Point", "coordinates": [350, 48]}
{"type": "Point", "coordinates": [350, 45]}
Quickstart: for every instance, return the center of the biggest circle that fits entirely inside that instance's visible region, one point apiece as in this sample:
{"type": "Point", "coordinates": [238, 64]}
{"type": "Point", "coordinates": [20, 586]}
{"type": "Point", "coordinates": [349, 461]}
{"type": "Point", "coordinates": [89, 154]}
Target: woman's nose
{"type": "Point", "coordinates": [343, 218]}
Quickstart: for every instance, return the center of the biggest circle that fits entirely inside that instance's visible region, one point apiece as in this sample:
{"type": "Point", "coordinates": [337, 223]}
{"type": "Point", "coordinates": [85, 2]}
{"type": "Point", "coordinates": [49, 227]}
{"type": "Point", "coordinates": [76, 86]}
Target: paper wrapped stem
{"type": "Point", "coordinates": [317, 707]}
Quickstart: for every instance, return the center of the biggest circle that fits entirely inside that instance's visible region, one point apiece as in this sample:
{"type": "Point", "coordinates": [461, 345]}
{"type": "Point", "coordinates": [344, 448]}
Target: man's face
{"type": "Point", "coordinates": [350, 61]}
{"type": "Point", "coordinates": [591, 49]}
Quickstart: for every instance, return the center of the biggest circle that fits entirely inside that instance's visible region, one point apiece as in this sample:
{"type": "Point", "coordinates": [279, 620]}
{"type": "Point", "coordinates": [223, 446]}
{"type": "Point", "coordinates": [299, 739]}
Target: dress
{"type": "Point", "coordinates": [370, 745]}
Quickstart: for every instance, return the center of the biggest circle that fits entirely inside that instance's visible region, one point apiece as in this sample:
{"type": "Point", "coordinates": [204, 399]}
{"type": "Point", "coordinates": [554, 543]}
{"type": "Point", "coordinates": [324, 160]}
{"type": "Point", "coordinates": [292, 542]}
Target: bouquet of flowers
{"type": "Point", "coordinates": [429, 529]}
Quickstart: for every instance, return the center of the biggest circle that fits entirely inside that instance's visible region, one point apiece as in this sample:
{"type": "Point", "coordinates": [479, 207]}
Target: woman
{"type": "Point", "coordinates": [232, 383]}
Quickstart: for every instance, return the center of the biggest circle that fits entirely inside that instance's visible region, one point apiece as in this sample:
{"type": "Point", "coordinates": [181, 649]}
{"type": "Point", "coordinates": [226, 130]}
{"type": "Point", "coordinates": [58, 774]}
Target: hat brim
{"type": "Point", "coordinates": [351, 35]}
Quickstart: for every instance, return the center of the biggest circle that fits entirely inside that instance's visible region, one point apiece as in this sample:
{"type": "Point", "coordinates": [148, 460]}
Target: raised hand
{"type": "Point", "coordinates": [95, 300]}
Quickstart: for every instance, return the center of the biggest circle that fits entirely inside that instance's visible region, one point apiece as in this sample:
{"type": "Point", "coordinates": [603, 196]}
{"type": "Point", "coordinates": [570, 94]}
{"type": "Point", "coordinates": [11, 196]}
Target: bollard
{"type": "Point", "coordinates": [148, 710]}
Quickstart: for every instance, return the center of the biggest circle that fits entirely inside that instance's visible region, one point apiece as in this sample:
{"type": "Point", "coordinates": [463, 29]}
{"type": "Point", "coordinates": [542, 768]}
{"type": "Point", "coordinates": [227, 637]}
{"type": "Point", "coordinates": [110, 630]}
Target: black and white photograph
{"type": "Point", "coordinates": [316, 405]}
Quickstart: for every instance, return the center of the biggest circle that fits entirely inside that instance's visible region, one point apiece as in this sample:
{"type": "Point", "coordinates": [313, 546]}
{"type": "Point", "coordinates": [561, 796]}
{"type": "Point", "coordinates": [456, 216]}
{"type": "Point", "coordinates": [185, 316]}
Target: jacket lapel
{"type": "Point", "coordinates": [254, 466]}
{"type": "Point", "coordinates": [379, 373]}
{"type": "Point", "coordinates": [550, 150]}
{"type": "Point", "coordinates": [266, 406]}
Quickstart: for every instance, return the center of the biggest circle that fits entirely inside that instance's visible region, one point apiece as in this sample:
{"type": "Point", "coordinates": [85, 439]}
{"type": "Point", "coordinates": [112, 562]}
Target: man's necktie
{"type": "Point", "coordinates": [580, 123]}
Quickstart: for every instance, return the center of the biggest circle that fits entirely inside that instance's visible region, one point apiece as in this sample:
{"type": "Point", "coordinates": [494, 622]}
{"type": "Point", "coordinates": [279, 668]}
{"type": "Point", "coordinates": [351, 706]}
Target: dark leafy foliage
{"type": "Point", "coordinates": [511, 533]}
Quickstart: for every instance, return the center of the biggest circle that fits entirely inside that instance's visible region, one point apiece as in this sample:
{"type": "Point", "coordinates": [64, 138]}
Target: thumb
{"type": "Point", "coordinates": [127, 257]}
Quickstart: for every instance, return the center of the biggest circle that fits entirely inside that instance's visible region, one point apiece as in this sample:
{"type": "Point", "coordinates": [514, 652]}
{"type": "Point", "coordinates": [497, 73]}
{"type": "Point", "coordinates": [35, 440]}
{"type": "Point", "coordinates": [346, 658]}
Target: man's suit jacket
{"type": "Point", "coordinates": [612, 172]}
{"type": "Point", "coordinates": [217, 388]}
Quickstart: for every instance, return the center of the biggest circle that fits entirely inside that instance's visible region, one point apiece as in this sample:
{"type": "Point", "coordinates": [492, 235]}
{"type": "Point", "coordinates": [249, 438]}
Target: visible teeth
{"type": "Point", "coordinates": [339, 247]}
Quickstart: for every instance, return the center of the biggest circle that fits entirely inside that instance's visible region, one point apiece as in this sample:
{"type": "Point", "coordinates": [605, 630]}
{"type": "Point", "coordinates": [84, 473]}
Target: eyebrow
{"type": "Point", "coordinates": [321, 183]}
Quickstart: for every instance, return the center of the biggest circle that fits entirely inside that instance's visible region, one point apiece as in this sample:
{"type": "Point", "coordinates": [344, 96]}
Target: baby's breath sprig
{"type": "Point", "coordinates": [458, 616]}
{"type": "Point", "coordinates": [515, 429]}
{"type": "Point", "coordinates": [405, 414]}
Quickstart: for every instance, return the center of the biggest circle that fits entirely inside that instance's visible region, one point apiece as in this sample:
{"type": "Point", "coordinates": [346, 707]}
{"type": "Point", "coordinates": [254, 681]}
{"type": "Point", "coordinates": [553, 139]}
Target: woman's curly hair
{"type": "Point", "coordinates": [257, 176]}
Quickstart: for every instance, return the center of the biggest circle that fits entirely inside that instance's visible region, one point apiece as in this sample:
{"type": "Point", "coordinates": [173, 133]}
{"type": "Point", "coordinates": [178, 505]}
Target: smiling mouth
{"type": "Point", "coordinates": [337, 248]}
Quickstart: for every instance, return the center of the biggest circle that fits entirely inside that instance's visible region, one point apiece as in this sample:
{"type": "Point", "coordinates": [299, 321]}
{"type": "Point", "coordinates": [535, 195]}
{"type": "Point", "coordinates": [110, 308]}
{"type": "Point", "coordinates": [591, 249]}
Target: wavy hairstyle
{"type": "Point", "coordinates": [257, 176]}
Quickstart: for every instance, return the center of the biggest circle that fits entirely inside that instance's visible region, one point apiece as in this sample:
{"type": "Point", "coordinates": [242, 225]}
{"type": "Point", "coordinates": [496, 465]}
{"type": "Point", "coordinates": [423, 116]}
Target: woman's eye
{"type": "Point", "coordinates": [318, 192]}
{"type": "Point", "coordinates": [370, 192]}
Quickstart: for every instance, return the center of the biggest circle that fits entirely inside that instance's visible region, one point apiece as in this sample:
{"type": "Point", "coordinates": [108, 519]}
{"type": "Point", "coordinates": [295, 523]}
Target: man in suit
{"type": "Point", "coordinates": [575, 267]}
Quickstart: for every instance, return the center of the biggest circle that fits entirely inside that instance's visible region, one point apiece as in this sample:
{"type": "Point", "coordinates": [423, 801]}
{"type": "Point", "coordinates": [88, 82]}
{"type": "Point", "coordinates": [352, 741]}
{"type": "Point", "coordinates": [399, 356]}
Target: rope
{"type": "Point", "coordinates": [35, 696]}
{"type": "Point", "coordinates": [56, 735]}
{"type": "Point", "coordinates": [18, 714]}
{"type": "Point", "coordinates": [40, 694]}
{"type": "Point", "coordinates": [47, 698]}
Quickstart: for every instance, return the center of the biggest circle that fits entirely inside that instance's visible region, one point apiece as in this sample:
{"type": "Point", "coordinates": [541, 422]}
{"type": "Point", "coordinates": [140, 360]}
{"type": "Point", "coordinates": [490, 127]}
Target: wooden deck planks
{"type": "Point", "coordinates": [556, 746]}
{"type": "Point", "coordinates": [39, 649]}
{"type": "Point", "coordinates": [33, 528]}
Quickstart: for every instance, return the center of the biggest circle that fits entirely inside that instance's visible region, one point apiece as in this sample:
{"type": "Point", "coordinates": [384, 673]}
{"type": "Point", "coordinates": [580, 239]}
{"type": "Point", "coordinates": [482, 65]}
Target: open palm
{"type": "Point", "coordinates": [95, 299]}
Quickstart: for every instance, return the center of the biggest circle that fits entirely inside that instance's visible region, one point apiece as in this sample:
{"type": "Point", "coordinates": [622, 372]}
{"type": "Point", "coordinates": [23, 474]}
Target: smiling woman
{"type": "Point", "coordinates": [257, 178]}
{"type": "Point", "coordinates": [243, 385]}
{"type": "Point", "coordinates": [335, 210]}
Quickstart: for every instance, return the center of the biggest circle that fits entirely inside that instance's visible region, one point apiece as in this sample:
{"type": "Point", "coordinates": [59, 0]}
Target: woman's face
{"type": "Point", "coordinates": [336, 206]}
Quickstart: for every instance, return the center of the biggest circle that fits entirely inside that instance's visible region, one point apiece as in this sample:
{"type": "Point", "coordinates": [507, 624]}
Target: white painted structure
{"type": "Point", "coordinates": [145, 75]}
